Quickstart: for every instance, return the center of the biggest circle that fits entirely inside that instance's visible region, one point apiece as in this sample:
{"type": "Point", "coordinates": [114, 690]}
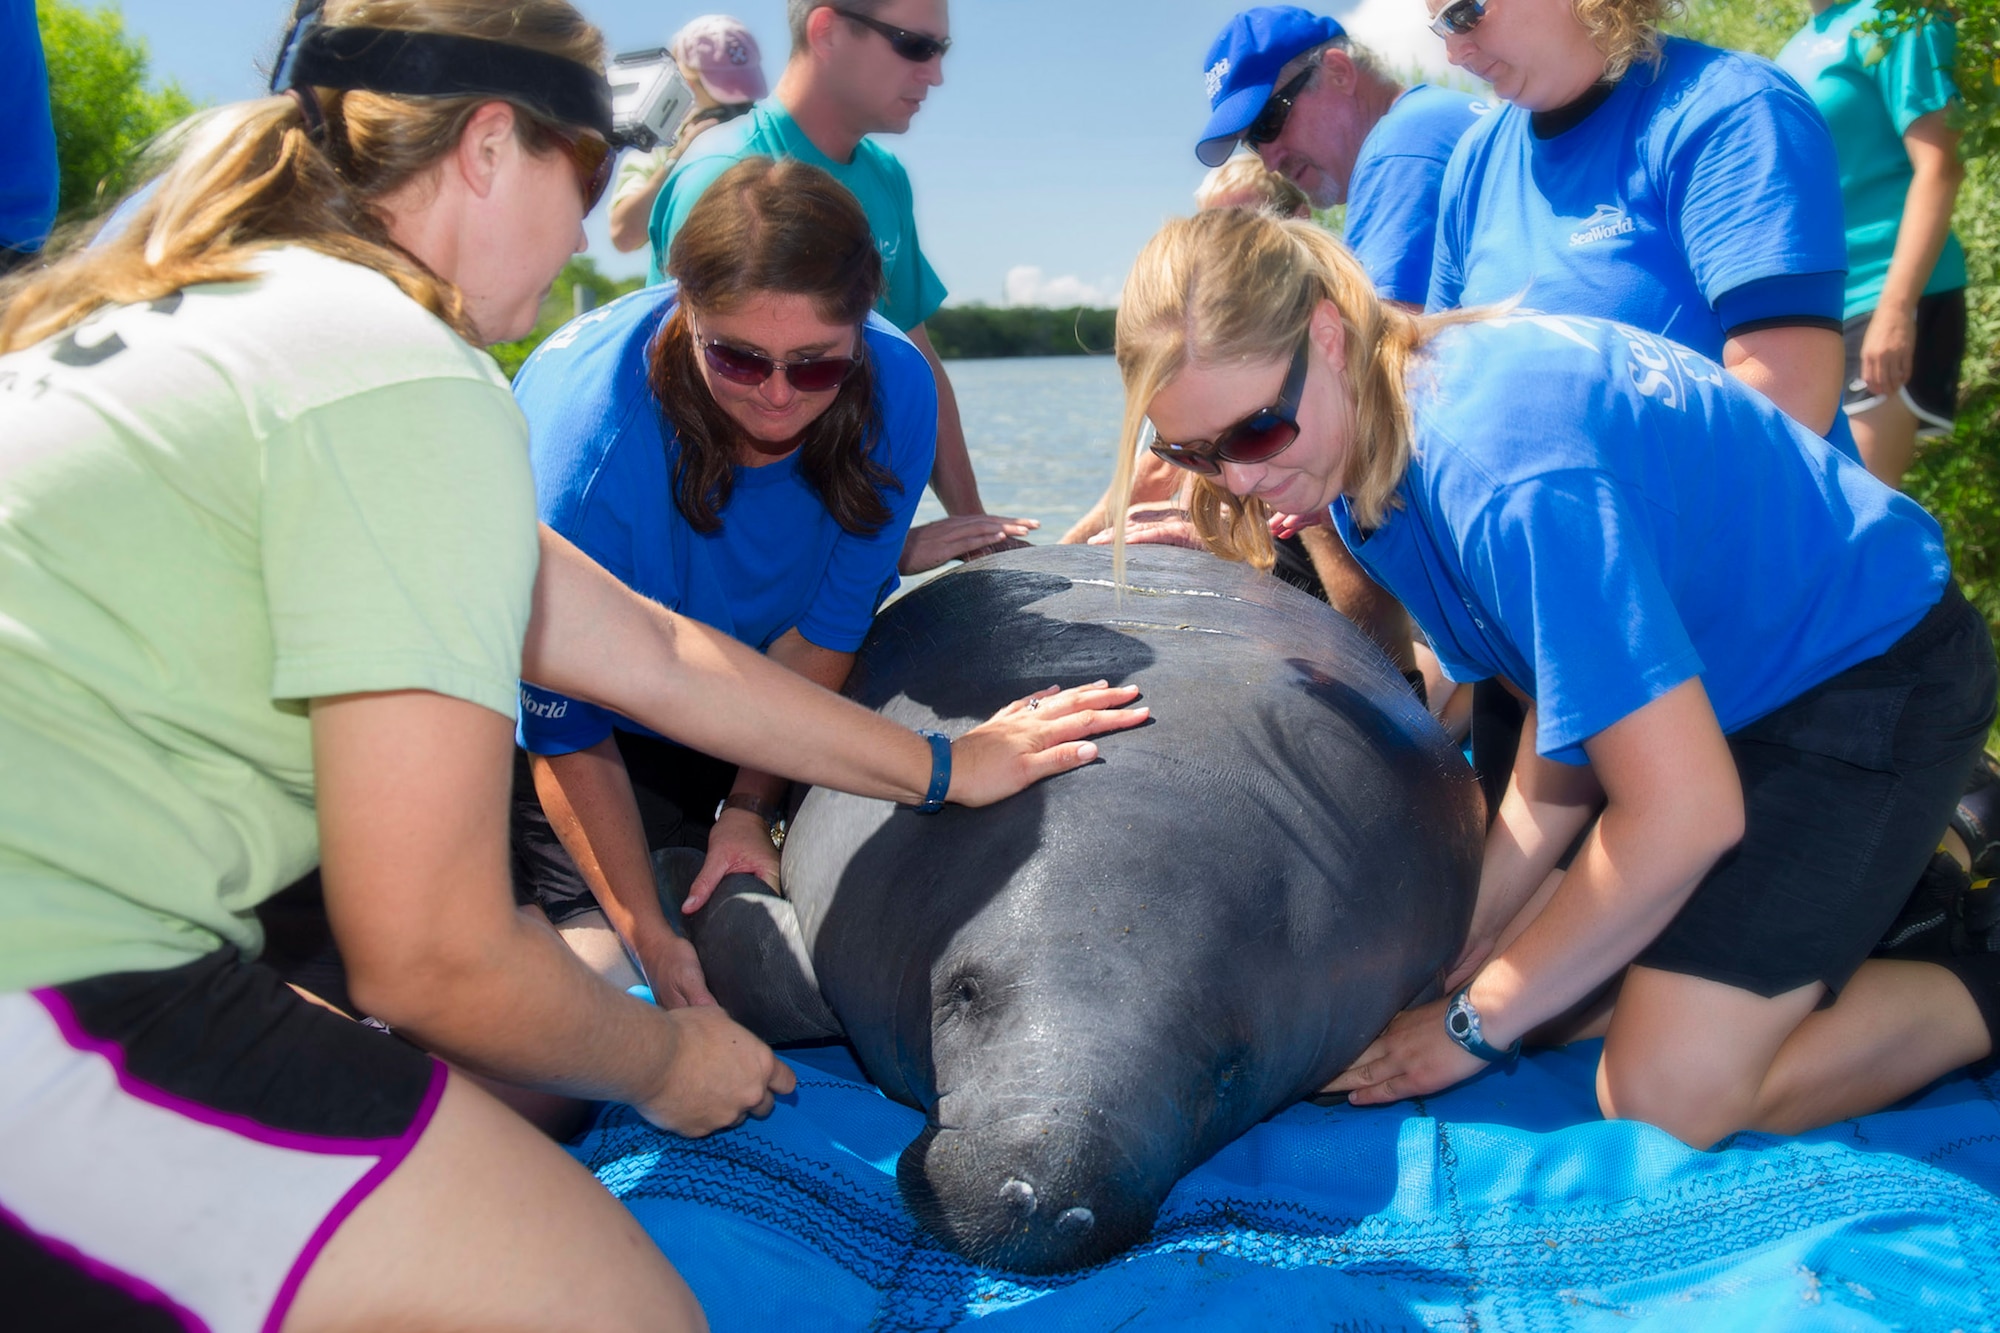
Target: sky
{"type": "Point", "coordinates": [1062, 138]}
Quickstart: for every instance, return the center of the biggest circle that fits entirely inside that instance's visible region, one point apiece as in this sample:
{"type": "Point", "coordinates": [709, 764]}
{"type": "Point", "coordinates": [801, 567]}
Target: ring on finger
{"type": "Point", "coordinates": [1033, 704]}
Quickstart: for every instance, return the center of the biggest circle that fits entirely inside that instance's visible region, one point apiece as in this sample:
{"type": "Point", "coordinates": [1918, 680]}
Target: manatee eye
{"type": "Point", "coordinates": [965, 992]}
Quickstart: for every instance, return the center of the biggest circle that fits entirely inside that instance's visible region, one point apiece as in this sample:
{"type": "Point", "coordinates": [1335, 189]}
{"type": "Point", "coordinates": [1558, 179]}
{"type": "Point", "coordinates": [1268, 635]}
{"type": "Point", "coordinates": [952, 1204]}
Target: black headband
{"type": "Point", "coordinates": [435, 64]}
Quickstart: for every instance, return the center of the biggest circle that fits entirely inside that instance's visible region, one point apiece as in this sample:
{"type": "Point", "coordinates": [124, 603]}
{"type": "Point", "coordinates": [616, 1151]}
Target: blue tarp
{"type": "Point", "coordinates": [1503, 1204]}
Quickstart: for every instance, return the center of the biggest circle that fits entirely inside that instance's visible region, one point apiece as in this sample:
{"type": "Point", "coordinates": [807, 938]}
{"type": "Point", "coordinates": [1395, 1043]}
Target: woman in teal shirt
{"type": "Point", "coordinates": [1886, 98]}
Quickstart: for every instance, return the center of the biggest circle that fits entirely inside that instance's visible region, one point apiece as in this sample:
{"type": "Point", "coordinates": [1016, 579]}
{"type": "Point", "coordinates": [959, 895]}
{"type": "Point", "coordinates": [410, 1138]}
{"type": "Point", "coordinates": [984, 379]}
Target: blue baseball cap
{"type": "Point", "coordinates": [1242, 69]}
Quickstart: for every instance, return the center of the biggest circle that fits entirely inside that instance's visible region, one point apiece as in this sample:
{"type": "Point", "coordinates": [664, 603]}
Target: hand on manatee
{"type": "Point", "coordinates": [719, 1074]}
{"type": "Point", "coordinates": [1155, 525]}
{"type": "Point", "coordinates": [962, 537]}
{"type": "Point", "coordinates": [740, 843]}
{"type": "Point", "coordinates": [1413, 1057]}
{"type": "Point", "coordinates": [674, 972]}
{"type": "Point", "coordinates": [1036, 737]}
{"type": "Point", "coordinates": [1291, 525]}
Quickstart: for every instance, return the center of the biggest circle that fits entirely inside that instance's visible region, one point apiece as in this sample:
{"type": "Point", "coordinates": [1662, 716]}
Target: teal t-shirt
{"type": "Point", "coordinates": [1871, 89]}
{"type": "Point", "coordinates": [874, 177]}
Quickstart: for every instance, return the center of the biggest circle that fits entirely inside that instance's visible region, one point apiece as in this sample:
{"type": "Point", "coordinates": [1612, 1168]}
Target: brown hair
{"type": "Point", "coordinates": [1238, 285]}
{"type": "Point", "coordinates": [1627, 31]}
{"type": "Point", "coordinates": [767, 226]}
{"type": "Point", "coordinates": [248, 176]}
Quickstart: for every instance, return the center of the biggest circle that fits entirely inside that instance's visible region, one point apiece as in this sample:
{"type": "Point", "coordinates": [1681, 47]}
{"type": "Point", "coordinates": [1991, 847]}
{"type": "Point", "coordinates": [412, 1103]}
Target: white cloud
{"type": "Point", "coordinates": [1026, 284]}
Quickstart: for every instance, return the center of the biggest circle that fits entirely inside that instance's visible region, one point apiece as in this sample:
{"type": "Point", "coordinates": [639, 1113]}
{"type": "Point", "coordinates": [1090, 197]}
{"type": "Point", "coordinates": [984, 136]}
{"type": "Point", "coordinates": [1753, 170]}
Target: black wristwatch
{"type": "Point", "coordinates": [1461, 1024]}
{"type": "Point", "coordinates": [774, 818]}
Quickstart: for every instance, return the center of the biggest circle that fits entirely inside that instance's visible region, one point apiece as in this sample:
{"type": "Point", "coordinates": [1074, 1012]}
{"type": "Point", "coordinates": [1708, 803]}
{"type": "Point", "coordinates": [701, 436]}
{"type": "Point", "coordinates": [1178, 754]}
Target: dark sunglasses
{"type": "Point", "coordinates": [1458, 17]}
{"type": "Point", "coordinates": [915, 47]}
{"type": "Point", "coordinates": [817, 374]}
{"type": "Point", "coordinates": [1270, 122]}
{"type": "Point", "coordinates": [593, 160]}
{"type": "Point", "coordinates": [1257, 438]}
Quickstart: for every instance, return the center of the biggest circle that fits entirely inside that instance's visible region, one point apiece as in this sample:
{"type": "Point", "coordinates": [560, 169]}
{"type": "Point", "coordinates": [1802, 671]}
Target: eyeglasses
{"type": "Point", "coordinates": [1458, 18]}
{"type": "Point", "coordinates": [1257, 438]}
{"type": "Point", "coordinates": [813, 374]}
{"type": "Point", "coordinates": [915, 47]}
{"type": "Point", "coordinates": [1270, 122]}
{"type": "Point", "coordinates": [593, 160]}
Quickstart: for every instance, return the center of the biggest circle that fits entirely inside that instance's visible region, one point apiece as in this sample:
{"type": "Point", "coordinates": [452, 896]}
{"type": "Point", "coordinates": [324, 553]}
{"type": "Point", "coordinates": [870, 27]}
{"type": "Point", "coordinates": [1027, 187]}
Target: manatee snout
{"type": "Point", "coordinates": [1033, 1194]}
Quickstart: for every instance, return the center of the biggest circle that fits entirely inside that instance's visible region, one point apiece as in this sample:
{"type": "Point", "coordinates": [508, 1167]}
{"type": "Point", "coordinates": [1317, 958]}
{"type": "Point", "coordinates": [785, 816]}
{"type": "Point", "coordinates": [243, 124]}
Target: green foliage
{"type": "Point", "coordinates": [1743, 25]}
{"type": "Point", "coordinates": [1978, 71]}
{"type": "Point", "coordinates": [561, 305]}
{"type": "Point", "coordinates": [104, 112]}
{"type": "Point", "coordinates": [969, 331]}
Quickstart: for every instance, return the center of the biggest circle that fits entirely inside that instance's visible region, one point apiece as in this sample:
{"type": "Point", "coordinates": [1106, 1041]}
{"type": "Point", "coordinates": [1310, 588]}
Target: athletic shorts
{"type": "Point", "coordinates": [677, 790]}
{"type": "Point", "coordinates": [180, 1145]}
{"type": "Point", "coordinates": [1846, 791]}
{"type": "Point", "coordinates": [1932, 393]}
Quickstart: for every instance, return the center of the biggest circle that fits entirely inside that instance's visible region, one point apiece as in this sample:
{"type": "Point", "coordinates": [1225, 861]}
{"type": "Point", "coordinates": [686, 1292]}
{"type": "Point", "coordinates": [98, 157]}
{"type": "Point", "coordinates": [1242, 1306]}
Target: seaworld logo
{"type": "Point", "coordinates": [1602, 225]}
{"type": "Point", "coordinates": [1216, 74]}
{"type": "Point", "coordinates": [546, 709]}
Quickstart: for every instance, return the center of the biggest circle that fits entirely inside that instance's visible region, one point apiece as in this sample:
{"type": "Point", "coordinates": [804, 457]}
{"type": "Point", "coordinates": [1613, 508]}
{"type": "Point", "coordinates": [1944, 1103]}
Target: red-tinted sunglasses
{"type": "Point", "coordinates": [814, 374]}
{"type": "Point", "coordinates": [593, 160]}
{"type": "Point", "coordinates": [1257, 438]}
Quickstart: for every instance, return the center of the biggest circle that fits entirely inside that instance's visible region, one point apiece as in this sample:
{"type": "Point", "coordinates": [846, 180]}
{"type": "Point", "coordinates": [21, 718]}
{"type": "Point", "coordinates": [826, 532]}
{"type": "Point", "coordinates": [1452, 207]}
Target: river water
{"type": "Point", "coordinates": [1043, 432]}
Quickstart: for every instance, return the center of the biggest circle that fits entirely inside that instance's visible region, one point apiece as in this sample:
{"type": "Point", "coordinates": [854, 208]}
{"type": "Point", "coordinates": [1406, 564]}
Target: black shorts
{"type": "Point", "coordinates": [677, 791]}
{"type": "Point", "coordinates": [1846, 791]}
{"type": "Point", "coordinates": [180, 1145]}
{"type": "Point", "coordinates": [1932, 393]}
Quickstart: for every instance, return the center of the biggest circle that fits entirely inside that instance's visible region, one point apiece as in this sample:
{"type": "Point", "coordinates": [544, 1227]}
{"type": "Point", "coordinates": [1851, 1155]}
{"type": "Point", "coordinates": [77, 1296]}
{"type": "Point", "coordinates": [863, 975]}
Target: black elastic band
{"type": "Point", "coordinates": [435, 64]}
{"type": "Point", "coordinates": [1782, 322]}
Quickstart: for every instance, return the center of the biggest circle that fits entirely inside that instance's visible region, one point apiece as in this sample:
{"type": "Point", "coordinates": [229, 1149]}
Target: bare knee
{"type": "Point", "coordinates": [1691, 1109]}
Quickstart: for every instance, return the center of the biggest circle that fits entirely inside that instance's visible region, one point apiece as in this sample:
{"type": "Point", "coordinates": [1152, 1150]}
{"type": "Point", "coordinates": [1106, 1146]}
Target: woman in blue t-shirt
{"type": "Point", "coordinates": [1885, 98]}
{"type": "Point", "coordinates": [747, 447]}
{"type": "Point", "coordinates": [1753, 691]}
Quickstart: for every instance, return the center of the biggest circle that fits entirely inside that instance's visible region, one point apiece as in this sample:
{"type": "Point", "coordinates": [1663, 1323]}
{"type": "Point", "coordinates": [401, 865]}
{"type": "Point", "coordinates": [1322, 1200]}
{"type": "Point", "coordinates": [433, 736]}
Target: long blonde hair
{"type": "Point", "coordinates": [249, 176]}
{"type": "Point", "coordinates": [1627, 31]}
{"type": "Point", "coordinates": [1236, 285]}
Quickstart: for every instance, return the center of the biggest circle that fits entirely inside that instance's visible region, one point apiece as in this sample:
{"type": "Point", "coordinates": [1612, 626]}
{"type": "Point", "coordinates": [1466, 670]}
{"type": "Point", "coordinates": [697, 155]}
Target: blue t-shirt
{"type": "Point", "coordinates": [1392, 194]}
{"type": "Point", "coordinates": [604, 478]}
{"type": "Point", "coordinates": [1688, 185]}
{"type": "Point", "coordinates": [28, 180]}
{"type": "Point", "coordinates": [1598, 515]}
{"type": "Point", "coordinates": [911, 292]}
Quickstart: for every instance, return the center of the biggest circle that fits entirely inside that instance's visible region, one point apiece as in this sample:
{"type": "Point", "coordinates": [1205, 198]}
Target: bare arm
{"type": "Point", "coordinates": [1889, 348]}
{"type": "Point", "coordinates": [1797, 368]}
{"type": "Point", "coordinates": [951, 475]}
{"type": "Point", "coordinates": [592, 638]}
{"type": "Point", "coordinates": [1673, 806]}
{"type": "Point", "coordinates": [1154, 481]}
{"type": "Point", "coordinates": [412, 792]}
{"type": "Point", "coordinates": [631, 215]}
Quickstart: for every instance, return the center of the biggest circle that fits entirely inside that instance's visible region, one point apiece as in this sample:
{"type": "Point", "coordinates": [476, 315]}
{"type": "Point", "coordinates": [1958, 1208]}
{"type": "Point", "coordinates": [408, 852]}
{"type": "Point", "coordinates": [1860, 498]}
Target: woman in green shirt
{"type": "Point", "coordinates": [269, 576]}
{"type": "Point", "coordinates": [1887, 100]}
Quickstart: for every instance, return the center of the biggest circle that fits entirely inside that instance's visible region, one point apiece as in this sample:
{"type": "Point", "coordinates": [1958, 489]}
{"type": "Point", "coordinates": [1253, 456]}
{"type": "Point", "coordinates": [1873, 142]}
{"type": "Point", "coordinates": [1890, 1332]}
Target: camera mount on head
{"type": "Point", "coordinates": [435, 64]}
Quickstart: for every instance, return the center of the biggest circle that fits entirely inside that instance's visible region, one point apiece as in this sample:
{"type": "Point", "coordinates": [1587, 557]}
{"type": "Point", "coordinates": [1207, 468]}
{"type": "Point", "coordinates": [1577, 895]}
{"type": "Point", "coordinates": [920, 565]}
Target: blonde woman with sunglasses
{"type": "Point", "coordinates": [269, 576]}
{"type": "Point", "coordinates": [1752, 687]}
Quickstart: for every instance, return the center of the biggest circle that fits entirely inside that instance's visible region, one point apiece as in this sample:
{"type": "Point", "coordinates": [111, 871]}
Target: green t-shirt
{"type": "Point", "coordinates": [875, 178]}
{"type": "Point", "coordinates": [1871, 89]}
{"type": "Point", "coordinates": [214, 508]}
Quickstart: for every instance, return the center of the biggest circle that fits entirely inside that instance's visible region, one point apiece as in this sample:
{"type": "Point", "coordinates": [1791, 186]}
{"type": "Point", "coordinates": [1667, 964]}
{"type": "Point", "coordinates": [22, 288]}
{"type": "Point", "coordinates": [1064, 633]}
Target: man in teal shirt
{"type": "Point", "coordinates": [860, 68]}
{"type": "Point", "coordinates": [1886, 99]}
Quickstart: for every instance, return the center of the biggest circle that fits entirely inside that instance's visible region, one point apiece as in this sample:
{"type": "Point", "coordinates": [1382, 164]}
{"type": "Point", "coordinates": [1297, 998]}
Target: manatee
{"type": "Point", "coordinates": [1092, 987]}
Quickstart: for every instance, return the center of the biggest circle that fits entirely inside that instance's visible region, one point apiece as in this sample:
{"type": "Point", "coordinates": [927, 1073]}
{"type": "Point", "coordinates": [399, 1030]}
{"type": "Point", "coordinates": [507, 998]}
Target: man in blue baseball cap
{"type": "Point", "coordinates": [1322, 111]}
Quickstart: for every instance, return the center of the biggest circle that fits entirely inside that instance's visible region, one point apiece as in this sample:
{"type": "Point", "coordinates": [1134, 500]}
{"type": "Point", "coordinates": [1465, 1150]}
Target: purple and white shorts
{"type": "Point", "coordinates": [177, 1147]}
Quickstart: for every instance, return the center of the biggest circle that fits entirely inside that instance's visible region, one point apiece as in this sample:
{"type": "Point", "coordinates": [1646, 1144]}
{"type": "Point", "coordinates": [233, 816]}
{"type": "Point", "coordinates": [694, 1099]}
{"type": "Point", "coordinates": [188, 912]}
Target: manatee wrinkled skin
{"type": "Point", "coordinates": [1093, 986]}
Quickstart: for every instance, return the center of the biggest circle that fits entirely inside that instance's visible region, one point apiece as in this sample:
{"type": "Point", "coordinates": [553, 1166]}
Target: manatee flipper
{"type": "Point", "coordinates": [752, 952]}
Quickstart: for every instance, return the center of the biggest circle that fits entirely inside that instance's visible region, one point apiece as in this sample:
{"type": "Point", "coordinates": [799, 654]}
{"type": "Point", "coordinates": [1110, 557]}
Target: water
{"type": "Point", "coordinates": [1043, 433]}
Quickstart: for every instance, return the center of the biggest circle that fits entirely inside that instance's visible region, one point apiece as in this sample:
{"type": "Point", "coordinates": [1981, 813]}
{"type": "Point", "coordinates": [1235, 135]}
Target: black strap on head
{"type": "Point", "coordinates": [435, 64]}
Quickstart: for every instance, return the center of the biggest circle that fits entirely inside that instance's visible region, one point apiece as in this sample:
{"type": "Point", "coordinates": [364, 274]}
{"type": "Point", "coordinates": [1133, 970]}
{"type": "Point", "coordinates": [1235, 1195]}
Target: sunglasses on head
{"type": "Point", "coordinates": [813, 374]}
{"type": "Point", "coordinates": [1257, 438]}
{"type": "Point", "coordinates": [592, 159]}
{"type": "Point", "coordinates": [1270, 122]}
{"type": "Point", "coordinates": [1458, 17]}
{"type": "Point", "coordinates": [915, 47]}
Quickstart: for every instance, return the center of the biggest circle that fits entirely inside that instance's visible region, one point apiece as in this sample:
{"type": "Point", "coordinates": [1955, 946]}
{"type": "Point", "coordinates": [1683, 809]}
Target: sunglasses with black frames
{"type": "Point", "coordinates": [1458, 18]}
{"type": "Point", "coordinates": [739, 365]}
{"type": "Point", "coordinates": [591, 157]}
{"type": "Point", "coordinates": [915, 47]}
{"type": "Point", "coordinates": [1270, 122]}
{"type": "Point", "coordinates": [1257, 438]}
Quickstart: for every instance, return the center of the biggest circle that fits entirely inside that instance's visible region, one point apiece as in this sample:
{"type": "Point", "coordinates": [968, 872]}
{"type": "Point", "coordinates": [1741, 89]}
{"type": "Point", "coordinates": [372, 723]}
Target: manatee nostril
{"type": "Point", "coordinates": [1018, 1197]}
{"type": "Point", "coordinates": [1075, 1221]}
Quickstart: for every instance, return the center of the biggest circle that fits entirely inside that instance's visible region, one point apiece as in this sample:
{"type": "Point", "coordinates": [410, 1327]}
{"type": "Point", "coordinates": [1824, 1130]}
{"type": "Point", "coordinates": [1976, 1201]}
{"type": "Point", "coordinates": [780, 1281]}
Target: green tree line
{"type": "Point", "coordinates": [969, 331]}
